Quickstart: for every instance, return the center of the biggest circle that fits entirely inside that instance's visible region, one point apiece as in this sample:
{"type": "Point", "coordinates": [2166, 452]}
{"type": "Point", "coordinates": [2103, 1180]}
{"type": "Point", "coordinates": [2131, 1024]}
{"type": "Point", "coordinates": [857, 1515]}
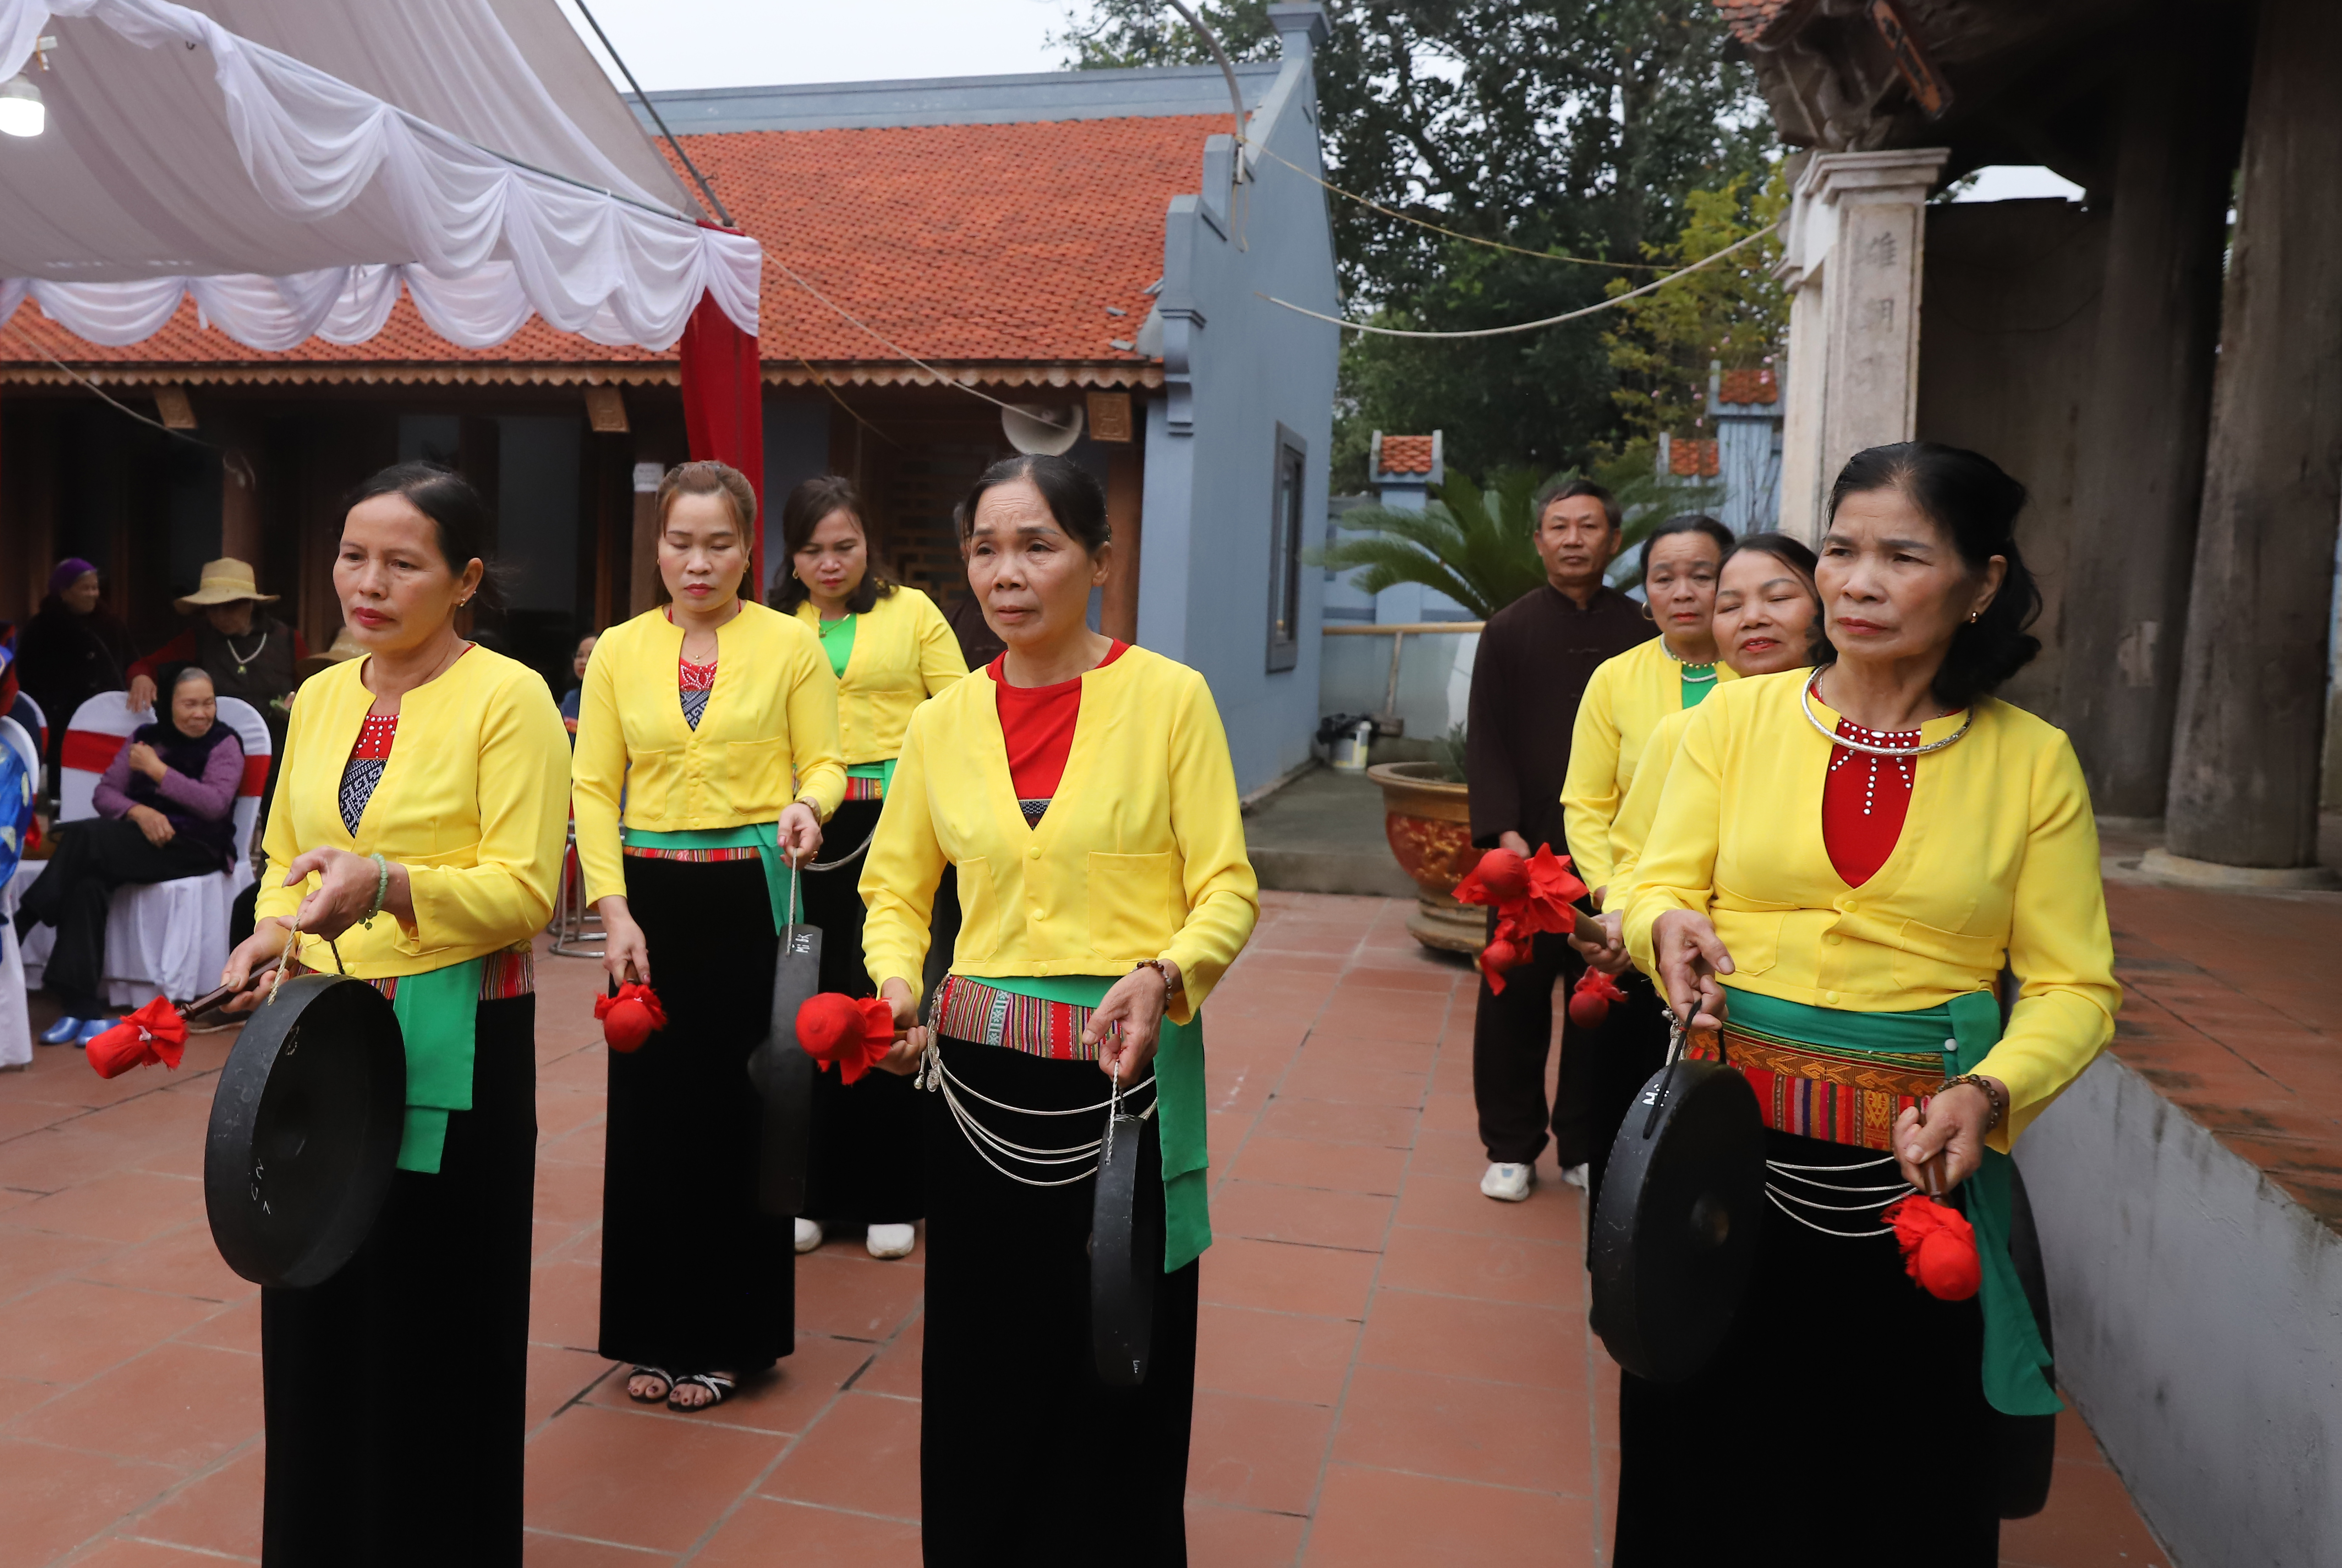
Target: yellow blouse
{"type": "Point", "coordinates": [1141, 855]}
{"type": "Point", "coordinates": [769, 735]}
{"type": "Point", "coordinates": [471, 802]}
{"type": "Point", "coordinates": [904, 653]}
{"type": "Point", "coordinates": [1632, 825]}
{"type": "Point", "coordinates": [1999, 857]}
{"type": "Point", "coordinates": [1624, 703]}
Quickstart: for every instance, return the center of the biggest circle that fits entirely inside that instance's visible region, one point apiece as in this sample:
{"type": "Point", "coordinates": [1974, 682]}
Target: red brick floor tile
{"type": "Point", "coordinates": [586, 1071]}
{"type": "Point", "coordinates": [1318, 1075]}
{"type": "Point", "coordinates": [557, 1375]}
{"type": "Point", "coordinates": [69, 1331]}
{"type": "Point", "coordinates": [678, 1473]}
{"type": "Point", "coordinates": [2090, 1522]}
{"type": "Point", "coordinates": [55, 1158]}
{"type": "Point", "coordinates": [1250, 1453]}
{"type": "Point", "coordinates": [1551, 1212]}
{"type": "Point", "coordinates": [565, 1303]}
{"type": "Point", "coordinates": [135, 1553]}
{"type": "Point", "coordinates": [1243, 1537]}
{"type": "Point", "coordinates": [569, 1195]}
{"type": "Point", "coordinates": [57, 1498]}
{"type": "Point", "coordinates": [1306, 1163]}
{"type": "Point", "coordinates": [20, 1116]}
{"type": "Point", "coordinates": [217, 1511]}
{"type": "Point", "coordinates": [1452, 1156]}
{"type": "Point", "coordinates": [1367, 1055]}
{"type": "Point", "coordinates": [1496, 1268]}
{"type": "Point", "coordinates": [127, 1206]}
{"type": "Point", "coordinates": [862, 1455]}
{"type": "Point", "coordinates": [562, 1110]}
{"type": "Point", "coordinates": [19, 1395]}
{"type": "Point", "coordinates": [1502, 1435]}
{"type": "Point", "coordinates": [763, 1531]}
{"type": "Point", "coordinates": [184, 1263]}
{"type": "Point", "coordinates": [857, 1297]}
{"type": "Point", "coordinates": [1450, 1113]}
{"type": "Point", "coordinates": [1241, 1087]}
{"type": "Point", "coordinates": [1457, 1336]}
{"type": "Point", "coordinates": [1277, 1355]}
{"type": "Point", "coordinates": [1277, 1276]}
{"type": "Point", "coordinates": [29, 1258]}
{"type": "Point", "coordinates": [896, 1368]}
{"type": "Point", "coordinates": [1312, 1216]}
{"type": "Point", "coordinates": [1382, 1015]}
{"type": "Point", "coordinates": [1385, 1126]}
{"type": "Point", "coordinates": [233, 1327]}
{"type": "Point", "coordinates": [183, 1406]}
{"type": "Point", "coordinates": [540, 1550]}
{"type": "Point", "coordinates": [1377, 1519]}
{"type": "Point", "coordinates": [784, 1399]}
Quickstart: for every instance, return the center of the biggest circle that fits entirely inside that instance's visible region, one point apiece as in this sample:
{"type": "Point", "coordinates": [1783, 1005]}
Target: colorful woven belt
{"type": "Point", "coordinates": [1838, 1096]}
{"type": "Point", "coordinates": [970, 1010]}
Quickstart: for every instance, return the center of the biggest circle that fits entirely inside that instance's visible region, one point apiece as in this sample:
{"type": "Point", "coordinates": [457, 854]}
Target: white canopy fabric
{"type": "Point", "coordinates": [292, 164]}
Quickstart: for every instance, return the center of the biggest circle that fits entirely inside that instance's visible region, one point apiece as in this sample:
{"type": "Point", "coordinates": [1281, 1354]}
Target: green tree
{"type": "Point", "coordinates": [1570, 128]}
{"type": "Point", "coordinates": [1736, 311]}
{"type": "Point", "coordinates": [1471, 544]}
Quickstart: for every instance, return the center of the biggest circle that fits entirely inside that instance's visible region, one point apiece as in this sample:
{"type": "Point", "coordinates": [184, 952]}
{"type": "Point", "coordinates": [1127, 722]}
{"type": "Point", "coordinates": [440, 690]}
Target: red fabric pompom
{"type": "Point", "coordinates": [1939, 1246]}
{"type": "Point", "coordinates": [1505, 874]}
{"type": "Point", "coordinates": [1590, 999]}
{"type": "Point", "coordinates": [630, 1017]}
{"type": "Point", "coordinates": [1498, 958]}
{"type": "Point", "coordinates": [835, 1028]}
{"type": "Point", "coordinates": [155, 1032]}
{"type": "Point", "coordinates": [1535, 894]}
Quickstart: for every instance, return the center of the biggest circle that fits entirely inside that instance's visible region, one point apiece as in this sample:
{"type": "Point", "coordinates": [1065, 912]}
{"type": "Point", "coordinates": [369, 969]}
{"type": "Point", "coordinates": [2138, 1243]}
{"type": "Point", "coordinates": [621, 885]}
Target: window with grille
{"type": "Point", "coordinates": [1285, 540]}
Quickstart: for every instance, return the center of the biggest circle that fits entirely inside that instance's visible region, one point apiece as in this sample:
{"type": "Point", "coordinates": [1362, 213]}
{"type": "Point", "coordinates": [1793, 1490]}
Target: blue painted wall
{"type": "Point", "coordinates": [1236, 367]}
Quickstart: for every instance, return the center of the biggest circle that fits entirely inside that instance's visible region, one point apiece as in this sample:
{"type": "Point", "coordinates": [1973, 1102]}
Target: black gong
{"type": "Point", "coordinates": [783, 1075]}
{"type": "Point", "coordinates": [1126, 1255]}
{"type": "Point", "coordinates": [1674, 1234]}
{"type": "Point", "coordinates": [304, 1131]}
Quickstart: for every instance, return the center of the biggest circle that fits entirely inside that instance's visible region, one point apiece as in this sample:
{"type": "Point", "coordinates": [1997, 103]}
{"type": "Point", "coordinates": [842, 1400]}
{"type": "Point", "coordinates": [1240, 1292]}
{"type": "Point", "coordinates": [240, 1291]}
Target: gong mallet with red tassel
{"type": "Point", "coordinates": [156, 1034]}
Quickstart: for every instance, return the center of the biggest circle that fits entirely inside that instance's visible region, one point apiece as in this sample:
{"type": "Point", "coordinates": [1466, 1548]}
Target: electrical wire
{"type": "Point", "coordinates": [1525, 326]}
{"type": "Point", "coordinates": [102, 396]}
{"type": "Point", "coordinates": [884, 341]}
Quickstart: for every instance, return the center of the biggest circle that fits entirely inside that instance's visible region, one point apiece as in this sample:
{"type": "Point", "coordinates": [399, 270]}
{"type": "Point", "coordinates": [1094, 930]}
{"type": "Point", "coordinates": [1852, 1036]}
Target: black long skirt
{"type": "Point", "coordinates": [1842, 1424]}
{"type": "Point", "coordinates": [694, 1276]}
{"type": "Point", "coordinates": [396, 1391]}
{"type": "Point", "coordinates": [1009, 1383]}
{"type": "Point", "coordinates": [863, 1166]}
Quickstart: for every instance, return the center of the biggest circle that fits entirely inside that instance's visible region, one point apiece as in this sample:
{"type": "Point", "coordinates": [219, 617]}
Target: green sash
{"type": "Point", "coordinates": [2014, 1360]}
{"type": "Point", "coordinates": [1179, 1101]}
{"type": "Point", "coordinates": [438, 1017]}
{"type": "Point", "coordinates": [882, 771]}
{"type": "Point", "coordinates": [765, 837]}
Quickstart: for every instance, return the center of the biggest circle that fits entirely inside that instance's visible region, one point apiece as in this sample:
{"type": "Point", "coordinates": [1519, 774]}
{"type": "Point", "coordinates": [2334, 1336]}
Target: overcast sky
{"type": "Point", "coordinates": [673, 44]}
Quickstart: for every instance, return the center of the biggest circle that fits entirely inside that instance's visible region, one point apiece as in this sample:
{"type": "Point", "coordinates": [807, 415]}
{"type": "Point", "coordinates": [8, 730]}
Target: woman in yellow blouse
{"type": "Point", "coordinates": [1624, 703]}
{"type": "Point", "coordinates": [418, 824]}
{"type": "Point", "coordinates": [1839, 863]}
{"type": "Point", "coordinates": [707, 762]}
{"type": "Point", "coordinates": [1082, 789]}
{"type": "Point", "coordinates": [891, 650]}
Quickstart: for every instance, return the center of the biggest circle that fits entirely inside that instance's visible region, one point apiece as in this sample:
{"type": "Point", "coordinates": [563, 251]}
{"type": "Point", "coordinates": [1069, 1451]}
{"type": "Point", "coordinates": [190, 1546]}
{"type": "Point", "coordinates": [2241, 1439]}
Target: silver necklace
{"type": "Point", "coordinates": [244, 659]}
{"type": "Point", "coordinates": [1805, 702]}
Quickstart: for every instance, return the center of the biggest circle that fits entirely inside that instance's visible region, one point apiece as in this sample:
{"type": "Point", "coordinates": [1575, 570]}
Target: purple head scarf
{"type": "Point", "coordinates": [69, 571]}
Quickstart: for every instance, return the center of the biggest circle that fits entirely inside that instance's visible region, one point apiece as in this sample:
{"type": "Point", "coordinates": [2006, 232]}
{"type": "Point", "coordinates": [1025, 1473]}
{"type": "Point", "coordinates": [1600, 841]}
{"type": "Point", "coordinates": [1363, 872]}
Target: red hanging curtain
{"type": "Point", "coordinates": [724, 410]}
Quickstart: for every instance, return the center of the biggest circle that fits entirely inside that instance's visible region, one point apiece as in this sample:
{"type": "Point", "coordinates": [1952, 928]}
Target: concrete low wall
{"type": "Point", "coordinates": [2198, 1314]}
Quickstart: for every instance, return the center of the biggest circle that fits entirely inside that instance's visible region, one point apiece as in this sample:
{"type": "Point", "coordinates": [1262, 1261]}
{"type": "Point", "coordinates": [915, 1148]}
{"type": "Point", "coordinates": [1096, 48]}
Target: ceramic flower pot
{"type": "Point", "coordinates": [1429, 822]}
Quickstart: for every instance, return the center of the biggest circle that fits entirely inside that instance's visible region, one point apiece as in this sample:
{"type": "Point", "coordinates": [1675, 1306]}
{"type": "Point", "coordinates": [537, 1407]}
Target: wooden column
{"type": "Point", "coordinates": [2252, 696]}
{"type": "Point", "coordinates": [2139, 469]}
{"type": "Point", "coordinates": [1126, 484]}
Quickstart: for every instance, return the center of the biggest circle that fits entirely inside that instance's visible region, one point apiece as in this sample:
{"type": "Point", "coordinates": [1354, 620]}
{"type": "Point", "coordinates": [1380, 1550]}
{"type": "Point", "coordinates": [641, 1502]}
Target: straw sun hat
{"type": "Point", "coordinates": [345, 647]}
{"type": "Point", "coordinates": [225, 582]}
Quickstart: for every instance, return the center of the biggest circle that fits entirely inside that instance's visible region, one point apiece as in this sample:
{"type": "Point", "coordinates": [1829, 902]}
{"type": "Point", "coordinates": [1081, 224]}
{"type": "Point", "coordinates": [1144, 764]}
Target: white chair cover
{"type": "Point", "coordinates": [162, 938]}
{"type": "Point", "coordinates": [16, 1021]}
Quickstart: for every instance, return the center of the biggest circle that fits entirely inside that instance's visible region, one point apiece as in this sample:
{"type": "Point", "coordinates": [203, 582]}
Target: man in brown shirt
{"type": "Point", "coordinates": [1535, 658]}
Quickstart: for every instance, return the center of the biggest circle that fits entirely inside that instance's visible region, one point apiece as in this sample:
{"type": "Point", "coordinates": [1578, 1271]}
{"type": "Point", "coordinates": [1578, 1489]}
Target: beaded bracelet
{"type": "Point", "coordinates": [381, 890]}
{"type": "Point", "coordinates": [1992, 1093]}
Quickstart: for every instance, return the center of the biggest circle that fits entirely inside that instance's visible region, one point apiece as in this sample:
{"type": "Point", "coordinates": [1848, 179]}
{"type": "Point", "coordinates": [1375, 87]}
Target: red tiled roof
{"type": "Point", "coordinates": [1406, 455]}
{"type": "Point", "coordinates": [1756, 21]}
{"type": "Point", "coordinates": [1689, 457]}
{"type": "Point", "coordinates": [1753, 385]}
{"type": "Point", "coordinates": [957, 242]}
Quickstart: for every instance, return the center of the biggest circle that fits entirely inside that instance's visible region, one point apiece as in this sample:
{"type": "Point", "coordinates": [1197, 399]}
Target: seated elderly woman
{"type": "Point", "coordinates": [165, 808]}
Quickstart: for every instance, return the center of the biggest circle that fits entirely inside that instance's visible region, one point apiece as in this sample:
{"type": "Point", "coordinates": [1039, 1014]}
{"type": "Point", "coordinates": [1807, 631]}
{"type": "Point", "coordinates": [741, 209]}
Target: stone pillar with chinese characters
{"type": "Point", "coordinates": [1852, 260]}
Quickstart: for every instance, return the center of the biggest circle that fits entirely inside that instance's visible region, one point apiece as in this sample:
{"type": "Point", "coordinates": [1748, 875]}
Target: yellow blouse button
{"type": "Point", "coordinates": [1835, 940]}
{"type": "Point", "coordinates": [1849, 903]}
{"type": "Point", "coordinates": [1035, 852]}
{"type": "Point", "coordinates": [1829, 997]}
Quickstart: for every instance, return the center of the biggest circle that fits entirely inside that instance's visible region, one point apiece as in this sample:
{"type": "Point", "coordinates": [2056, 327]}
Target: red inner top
{"type": "Point", "coordinates": [374, 736]}
{"type": "Point", "coordinates": [693, 677]}
{"type": "Point", "coordinates": [1037, 722]}
{"type": "Point", "coordinates": [1865, 799]}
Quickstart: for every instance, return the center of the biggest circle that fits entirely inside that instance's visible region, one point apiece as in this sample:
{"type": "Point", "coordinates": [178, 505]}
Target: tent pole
{"type": "Point", "coordinates": [701, 180]}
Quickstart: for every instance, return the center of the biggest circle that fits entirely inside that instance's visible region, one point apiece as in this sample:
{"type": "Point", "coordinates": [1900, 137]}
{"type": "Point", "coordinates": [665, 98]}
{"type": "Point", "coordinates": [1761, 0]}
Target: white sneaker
{"type": "Point", "coordinates": [1508, 1183]}
{"type": "Point", "coordinates": [808, 1235]}
{"type": "Point", "coordinates": [890, 1241]}
{"type": "Point", "coordinates": [1576, 1176]}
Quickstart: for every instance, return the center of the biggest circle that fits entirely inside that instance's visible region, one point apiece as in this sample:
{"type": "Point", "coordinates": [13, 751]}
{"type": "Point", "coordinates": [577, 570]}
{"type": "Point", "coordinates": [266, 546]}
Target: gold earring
{"type": "Point", "coordinates": [1974, 616]}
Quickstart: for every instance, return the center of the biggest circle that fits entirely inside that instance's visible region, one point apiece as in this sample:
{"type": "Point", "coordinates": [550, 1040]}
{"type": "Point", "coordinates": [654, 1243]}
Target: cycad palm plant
{"type": "Point", "coordinates": [1471, 544]}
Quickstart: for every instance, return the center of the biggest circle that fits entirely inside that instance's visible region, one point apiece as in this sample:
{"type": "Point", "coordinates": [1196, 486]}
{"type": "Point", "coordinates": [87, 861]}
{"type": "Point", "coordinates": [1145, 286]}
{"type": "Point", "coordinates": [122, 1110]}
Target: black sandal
{"type": "Point", "coordinates": [659, 1373]}
{"type": "Point", "coordinates": [718, 1386]}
